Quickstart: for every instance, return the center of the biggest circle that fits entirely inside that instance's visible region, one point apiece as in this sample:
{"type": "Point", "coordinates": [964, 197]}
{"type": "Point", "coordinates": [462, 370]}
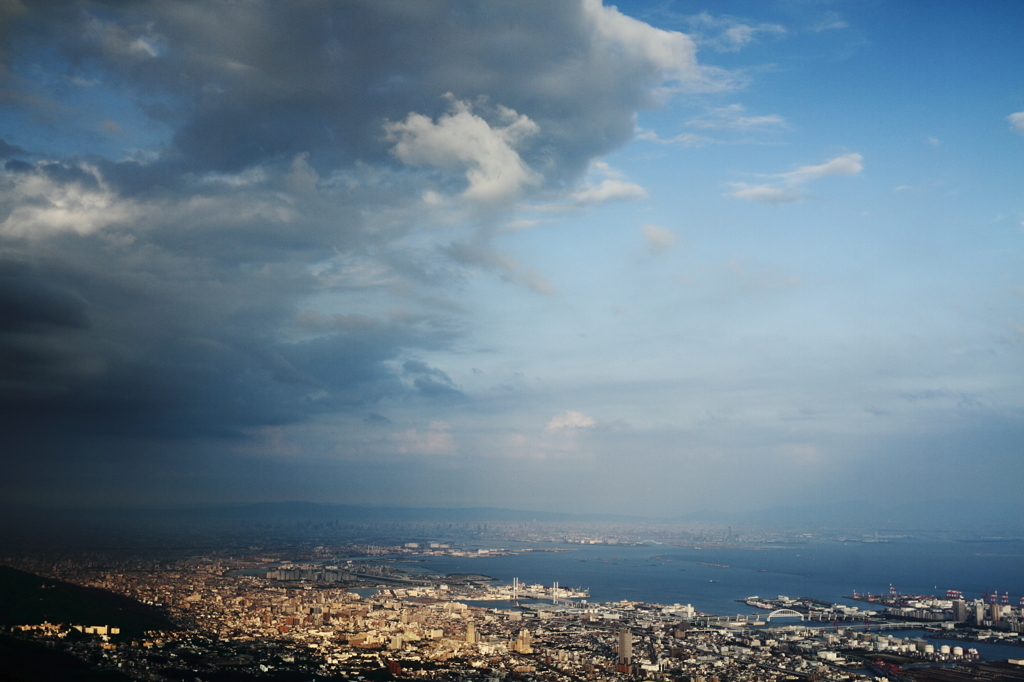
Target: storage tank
{"type": "Point", "coordinates": [944, 649]}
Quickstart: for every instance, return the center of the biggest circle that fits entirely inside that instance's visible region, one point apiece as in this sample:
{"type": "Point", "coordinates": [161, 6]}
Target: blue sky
{"type": "Point", "coordinates": [655, 258]}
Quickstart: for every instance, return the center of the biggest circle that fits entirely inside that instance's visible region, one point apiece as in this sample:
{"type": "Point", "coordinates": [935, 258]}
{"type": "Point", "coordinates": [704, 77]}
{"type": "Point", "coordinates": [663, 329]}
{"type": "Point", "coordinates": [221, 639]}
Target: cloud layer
{"type": "Point", "coordinates": [279, 254]}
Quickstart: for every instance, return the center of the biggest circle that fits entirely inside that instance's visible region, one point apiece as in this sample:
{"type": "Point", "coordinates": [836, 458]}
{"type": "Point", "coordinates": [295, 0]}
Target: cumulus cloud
{"type": "Point", "coordinates": [461, 140]}
{"type": "Point", "coordinates": [52, 197]}
{"type": "Point", "coordinates": [789, 187]}
{"type": "Point", "coordinates": [1016, 120]}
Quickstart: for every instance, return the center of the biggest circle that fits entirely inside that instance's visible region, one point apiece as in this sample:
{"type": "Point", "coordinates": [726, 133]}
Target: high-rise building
{"type": "Point", "coordinates": [625, 647]}
{"type": "Point", "coordinates": [522, 645]}
{"type": "Point", "coordinates": [959, 610]}
{"type": "Point", "coordinates": [471, 636]}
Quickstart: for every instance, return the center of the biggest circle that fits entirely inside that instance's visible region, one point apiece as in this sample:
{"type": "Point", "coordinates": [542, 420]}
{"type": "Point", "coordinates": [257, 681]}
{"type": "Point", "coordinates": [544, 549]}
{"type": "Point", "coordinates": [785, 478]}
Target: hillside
{"type": "Point", "coordinates": [27, 599]}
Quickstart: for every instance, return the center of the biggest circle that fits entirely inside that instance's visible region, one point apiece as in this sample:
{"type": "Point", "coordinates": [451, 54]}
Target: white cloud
{"type": "Point", "coordinates": [143, 46]}
{"type": "Point", "coordinates": [520, 224]}
{"type": "Point", "coordinates": [672, 52]}
{"type": "Point", "coordinates": [603, 185]}
{"type": "Point", "coordinates": [764, 194]}
{"type": "Point", "coordinates": [45, 206]}
{"type": "Point", "coordinates": [658, 238]}
{"type": "Point", "coordinates": [1017, 120]}
{"type": "Point", "coordinates": [728, 34]}
{"type": "Point", "coordinates": [683, 139]}
{"type": "Point", "coordinates": [789, 189]}
{"type": "Point", "coordinates": [847, 164]}
{"type": "Point", "coordinates": [830, 22]}
{"type": "Point", "coordinates": [732, 118]}
{"type": "Point", "coordinates": [463, 140]}
{"type": "Point", "coordinates": [570, 419]}
{"type": "Point", "coordinates": [609, 190]}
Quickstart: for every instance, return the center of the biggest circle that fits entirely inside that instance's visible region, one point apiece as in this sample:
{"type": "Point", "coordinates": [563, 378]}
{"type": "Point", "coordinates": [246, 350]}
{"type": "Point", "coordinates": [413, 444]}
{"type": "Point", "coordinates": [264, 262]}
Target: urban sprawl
{"type": "Point", "coordinates": [258, 614]}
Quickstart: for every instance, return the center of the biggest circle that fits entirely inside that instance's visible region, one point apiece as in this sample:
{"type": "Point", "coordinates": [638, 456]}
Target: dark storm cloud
{"type": "Point", "coordinates": [430, 381]}
{"type": "Point", "coordinates": [29, 303]}
{"type": "Point", "coordinates": [249, 83]}
{"type": "Point", "coordinates": [188, 293]}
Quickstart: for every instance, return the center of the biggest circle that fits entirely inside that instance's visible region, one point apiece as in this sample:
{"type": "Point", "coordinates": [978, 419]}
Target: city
{"type": "Point", "coordinates": [354, 611]}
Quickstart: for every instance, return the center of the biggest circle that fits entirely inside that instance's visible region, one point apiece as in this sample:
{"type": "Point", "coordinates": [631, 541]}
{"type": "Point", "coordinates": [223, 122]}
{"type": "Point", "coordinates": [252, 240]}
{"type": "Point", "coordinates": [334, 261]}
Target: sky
{"type": "Point", "coordinates": [653, 258]}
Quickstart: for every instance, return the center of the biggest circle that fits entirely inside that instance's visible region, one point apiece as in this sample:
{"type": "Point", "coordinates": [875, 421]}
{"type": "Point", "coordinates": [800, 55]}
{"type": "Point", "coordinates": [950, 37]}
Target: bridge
{"type": "Point", "coordinates": [785, 613]}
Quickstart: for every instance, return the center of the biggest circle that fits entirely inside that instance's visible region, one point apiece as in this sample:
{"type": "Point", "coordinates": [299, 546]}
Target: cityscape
{"type": "Point", "coordinates": [378, 611]}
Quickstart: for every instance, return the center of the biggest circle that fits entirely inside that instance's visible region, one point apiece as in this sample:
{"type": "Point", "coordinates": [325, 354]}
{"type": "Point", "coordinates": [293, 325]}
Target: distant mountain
{"type": "Point", "coordinates": [27, 599]}
{"type": "Point", "coordinates": [269, 512]}
{"type": "Point", "coordinates": [977, 517]}
{"type": "Point", "coordinates": [22, 528]}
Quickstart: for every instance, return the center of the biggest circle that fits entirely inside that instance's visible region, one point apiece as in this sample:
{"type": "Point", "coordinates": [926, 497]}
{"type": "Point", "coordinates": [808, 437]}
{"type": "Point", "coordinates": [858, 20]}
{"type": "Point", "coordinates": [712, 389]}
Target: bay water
{"type": "Point", "coordinates": [713, 579]}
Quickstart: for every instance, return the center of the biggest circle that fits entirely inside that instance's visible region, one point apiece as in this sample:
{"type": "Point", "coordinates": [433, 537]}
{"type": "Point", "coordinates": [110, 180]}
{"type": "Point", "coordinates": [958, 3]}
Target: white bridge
{"type": "Point", "coordinates": [784, 613]}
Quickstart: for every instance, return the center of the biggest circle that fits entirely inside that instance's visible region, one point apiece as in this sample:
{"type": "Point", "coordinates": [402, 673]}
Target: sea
{"type": "Point", "coordinates": [716, 580]}
{"type": "Point", "coordinates": [712, 579]}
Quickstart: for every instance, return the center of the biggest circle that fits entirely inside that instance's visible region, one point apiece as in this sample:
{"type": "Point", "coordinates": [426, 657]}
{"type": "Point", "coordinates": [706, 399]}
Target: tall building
{"type": "Point", "coordinates": [625, 647]}
{"type": "Point", "coordinates": [959, 610]}
{"type": "Point", "coordinates": [522, 645]}
{"type": "Point", "coordinates": [471, 637]}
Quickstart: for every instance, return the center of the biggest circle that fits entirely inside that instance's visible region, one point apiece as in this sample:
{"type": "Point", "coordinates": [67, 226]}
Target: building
{"type": "Point", "coordinates": [523, 643]}
{"type": "Point", "coordinates": [625, 647]}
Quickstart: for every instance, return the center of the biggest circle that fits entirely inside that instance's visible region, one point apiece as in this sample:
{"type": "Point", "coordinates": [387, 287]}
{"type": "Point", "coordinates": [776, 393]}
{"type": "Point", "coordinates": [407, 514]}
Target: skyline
{"type": "Point", "coordinates": [643, 259]}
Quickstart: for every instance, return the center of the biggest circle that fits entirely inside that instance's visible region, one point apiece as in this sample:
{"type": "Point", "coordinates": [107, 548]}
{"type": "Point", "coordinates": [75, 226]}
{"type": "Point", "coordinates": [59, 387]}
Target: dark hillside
{"type": "Point", "coordinates": [25, 661]}
{"type": "Point", "coordinates": [27, 599]}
